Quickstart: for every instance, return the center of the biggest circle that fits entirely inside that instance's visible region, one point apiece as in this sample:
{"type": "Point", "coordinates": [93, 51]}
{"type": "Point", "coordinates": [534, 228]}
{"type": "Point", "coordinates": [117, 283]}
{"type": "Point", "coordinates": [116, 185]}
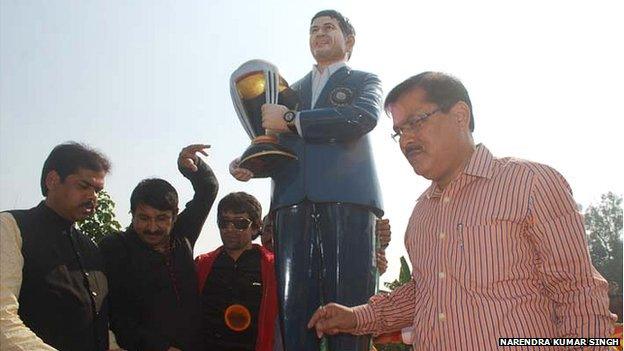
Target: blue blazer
{"type": "Point", "coordinates": [335, 159]}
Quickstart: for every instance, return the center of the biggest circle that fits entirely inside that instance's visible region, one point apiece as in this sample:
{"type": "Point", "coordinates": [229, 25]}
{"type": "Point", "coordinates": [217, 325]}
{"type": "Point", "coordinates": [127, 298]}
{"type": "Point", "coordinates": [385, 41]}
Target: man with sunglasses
{"type": "Point", "coordinates": [237, 281]}
{"type": "Point", "coordinates": [151, 273]}
{"type": "Point", "coordinates": [497, 245]}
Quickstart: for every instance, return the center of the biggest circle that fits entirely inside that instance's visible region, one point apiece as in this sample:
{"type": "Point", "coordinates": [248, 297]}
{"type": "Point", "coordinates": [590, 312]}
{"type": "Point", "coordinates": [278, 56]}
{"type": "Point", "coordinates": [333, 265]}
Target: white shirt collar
{"type": "Point", "coordinates": [319, 79]}
{"type": "Point", "coordinates": [331, 69]}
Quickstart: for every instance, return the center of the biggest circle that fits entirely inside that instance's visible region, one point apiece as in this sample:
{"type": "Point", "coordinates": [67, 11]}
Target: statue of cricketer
{"type": "Point", "coordinates": [327, 201]}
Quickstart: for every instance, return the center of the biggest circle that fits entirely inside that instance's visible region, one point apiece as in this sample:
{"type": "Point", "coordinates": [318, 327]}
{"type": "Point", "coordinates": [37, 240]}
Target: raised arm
{"type": "Point", "coordinates": [191, 220]}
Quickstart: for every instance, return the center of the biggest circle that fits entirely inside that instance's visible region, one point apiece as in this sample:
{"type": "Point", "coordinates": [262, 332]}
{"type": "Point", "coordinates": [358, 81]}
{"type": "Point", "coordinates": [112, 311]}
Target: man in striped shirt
{"type": "Point", "coordinates": [497, 245]}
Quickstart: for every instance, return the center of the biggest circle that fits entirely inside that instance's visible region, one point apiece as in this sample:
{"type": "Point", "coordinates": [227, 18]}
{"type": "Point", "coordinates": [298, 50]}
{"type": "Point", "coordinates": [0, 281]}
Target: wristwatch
{"type": "Point", "coordinates": [289, 118]}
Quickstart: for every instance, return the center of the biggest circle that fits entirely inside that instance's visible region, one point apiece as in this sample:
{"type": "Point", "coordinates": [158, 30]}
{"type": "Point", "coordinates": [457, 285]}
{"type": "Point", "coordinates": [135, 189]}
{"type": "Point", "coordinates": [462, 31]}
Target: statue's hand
{"type": "Point", "coordinates": [273, 118]}
{"type": "Point", "coordinates": [241, 174]}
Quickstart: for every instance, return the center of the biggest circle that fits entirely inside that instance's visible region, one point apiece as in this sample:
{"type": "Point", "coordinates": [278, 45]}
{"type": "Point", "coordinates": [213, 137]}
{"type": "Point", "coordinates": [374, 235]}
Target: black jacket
{"type": "Point", "coordinates": [63, 293]}
{"type": "Point", "coordinates": [152, 305]}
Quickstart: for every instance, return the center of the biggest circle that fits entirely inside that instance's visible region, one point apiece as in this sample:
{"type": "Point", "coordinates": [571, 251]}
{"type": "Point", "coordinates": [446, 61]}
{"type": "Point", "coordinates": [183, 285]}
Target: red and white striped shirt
{"type": "Point", "coordinates": [499, 253]}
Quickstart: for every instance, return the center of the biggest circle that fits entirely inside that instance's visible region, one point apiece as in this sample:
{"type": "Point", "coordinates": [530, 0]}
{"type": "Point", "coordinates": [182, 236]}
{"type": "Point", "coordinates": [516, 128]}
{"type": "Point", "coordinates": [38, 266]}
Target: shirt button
{"type": "Point", "coordinates": [441, 317]}
{"type": "Point", "coordinates": [94, 293]}
{"type": "Point", "coordinates": [446, 199]}
{"type": "Point", "coordinates": [442, 235]}
{"type": "Point", "coordinates": [441, 275]}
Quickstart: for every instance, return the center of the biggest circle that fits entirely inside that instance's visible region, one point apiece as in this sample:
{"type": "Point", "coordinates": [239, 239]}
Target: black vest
{"type": "Point", "coordinates": [63, 292]}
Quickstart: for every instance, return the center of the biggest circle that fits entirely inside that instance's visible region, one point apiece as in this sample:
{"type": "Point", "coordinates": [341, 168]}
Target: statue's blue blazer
{"type": "Point", "coordinates": [335, 159]}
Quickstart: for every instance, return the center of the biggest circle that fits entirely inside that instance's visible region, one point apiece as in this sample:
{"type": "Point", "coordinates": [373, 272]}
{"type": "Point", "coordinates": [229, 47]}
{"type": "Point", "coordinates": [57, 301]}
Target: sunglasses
{"type": "Point", "coordinates": [238, 223]}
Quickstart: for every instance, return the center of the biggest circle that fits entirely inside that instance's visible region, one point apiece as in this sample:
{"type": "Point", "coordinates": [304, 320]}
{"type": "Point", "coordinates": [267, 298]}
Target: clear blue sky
{"type": "Point", "coordinates": [141, 79]}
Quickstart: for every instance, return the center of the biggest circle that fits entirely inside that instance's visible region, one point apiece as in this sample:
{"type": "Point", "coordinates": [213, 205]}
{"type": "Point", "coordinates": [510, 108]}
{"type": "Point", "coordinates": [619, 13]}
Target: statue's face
{"type": "Point", "coordinates": [327, 42]}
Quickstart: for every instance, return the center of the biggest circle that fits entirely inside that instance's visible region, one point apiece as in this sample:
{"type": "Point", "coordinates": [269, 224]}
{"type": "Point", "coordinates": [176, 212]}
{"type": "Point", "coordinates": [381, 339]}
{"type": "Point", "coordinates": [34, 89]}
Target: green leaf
{"type": "Point", "coordinates": [103, 221]}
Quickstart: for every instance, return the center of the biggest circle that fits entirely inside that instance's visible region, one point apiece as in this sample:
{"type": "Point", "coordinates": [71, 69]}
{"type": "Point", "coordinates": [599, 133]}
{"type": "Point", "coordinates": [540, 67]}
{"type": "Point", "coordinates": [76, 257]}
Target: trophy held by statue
{"type": "Point", "coordinates": [253, 84]}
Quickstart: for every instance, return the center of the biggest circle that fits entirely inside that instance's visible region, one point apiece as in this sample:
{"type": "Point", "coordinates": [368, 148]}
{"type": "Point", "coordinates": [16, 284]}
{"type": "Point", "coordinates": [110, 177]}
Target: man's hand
{"type": "Point", "coordinates": [382, 262]}
{"type": "Point", "coordinates": [383, 233]}
{"type": "Point", "coordinates": [188, 156]}
{"type": "Point", "coordinates": [333, 319]}
{"type": "Point", "coordinates": [273, 118]}
{"type": "Point", "coordinates": [241, 174]}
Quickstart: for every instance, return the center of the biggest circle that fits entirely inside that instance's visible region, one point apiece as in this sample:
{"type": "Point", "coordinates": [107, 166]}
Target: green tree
{"type": "Point", "coordinates": [103, 221]}
{"type": "Point", "coordinates": [603, 223]}
{"type": "Point", "coordinates": [404, 276]}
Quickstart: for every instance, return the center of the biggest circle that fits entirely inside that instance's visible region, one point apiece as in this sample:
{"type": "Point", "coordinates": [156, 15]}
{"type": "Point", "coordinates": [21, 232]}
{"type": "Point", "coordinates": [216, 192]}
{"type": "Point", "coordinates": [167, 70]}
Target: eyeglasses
{"type": "Point", "coordinates": [239, 223]}
{"type": "Point", "coordinates": [413, 125]}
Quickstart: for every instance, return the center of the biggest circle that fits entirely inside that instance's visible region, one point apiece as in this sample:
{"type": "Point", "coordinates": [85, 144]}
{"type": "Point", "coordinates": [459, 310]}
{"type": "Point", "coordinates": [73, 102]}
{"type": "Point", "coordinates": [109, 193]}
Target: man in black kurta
{"type": "Point", "coordinates": [153, 285]}
{"type": "Point", "coordinates": [52, 288]}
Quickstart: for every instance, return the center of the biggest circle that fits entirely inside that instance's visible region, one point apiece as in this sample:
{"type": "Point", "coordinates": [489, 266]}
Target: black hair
{"type": "Point", "coordinates": [241, 202]}
{"type": "Point", "coordinates": [345, 26]}
{"type": "Point", "coordinates": [156, 193]}
{"type": "Point", "coordinates": [442, 89]}
{"type": "Point", "coordinates": [67, 158]}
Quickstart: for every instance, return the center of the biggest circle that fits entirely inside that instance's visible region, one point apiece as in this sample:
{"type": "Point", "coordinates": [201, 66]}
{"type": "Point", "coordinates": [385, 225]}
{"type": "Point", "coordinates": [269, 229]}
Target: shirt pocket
{"type": "Point", "coordinates": [491, 256]}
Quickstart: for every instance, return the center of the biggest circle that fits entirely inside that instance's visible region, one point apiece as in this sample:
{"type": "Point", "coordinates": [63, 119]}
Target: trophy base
{"type": "Point", "coordinates": [262, 158]}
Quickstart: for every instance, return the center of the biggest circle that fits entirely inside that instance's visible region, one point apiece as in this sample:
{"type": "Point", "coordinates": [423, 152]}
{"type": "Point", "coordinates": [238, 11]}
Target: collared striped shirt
{"type": "Point", "coordinates": [500, 252]}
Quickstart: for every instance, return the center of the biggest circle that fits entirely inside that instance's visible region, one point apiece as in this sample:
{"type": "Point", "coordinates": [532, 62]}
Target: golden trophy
{"type": "Point", "coordinates": [253, 84]}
